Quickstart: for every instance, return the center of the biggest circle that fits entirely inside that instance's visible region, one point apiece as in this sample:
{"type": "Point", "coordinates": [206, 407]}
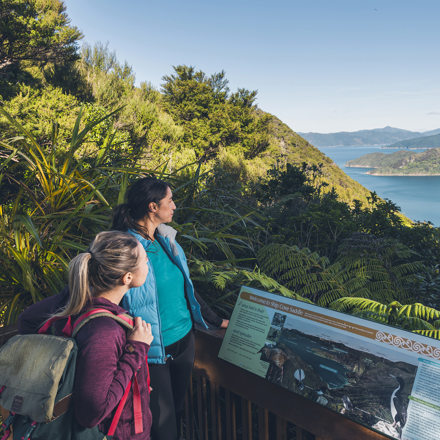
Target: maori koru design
{"type": "Point", "coordinates": [408, 344]}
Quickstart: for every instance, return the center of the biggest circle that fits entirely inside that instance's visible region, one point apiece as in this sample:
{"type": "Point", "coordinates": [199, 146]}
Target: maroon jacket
{"type": "Point", "coordinates": [105, 365]}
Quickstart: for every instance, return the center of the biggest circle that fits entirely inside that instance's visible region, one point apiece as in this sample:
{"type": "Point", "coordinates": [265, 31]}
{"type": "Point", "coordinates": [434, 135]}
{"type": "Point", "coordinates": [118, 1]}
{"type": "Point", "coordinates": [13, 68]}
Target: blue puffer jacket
{"type": "Point", "coordinates": [143, 301]}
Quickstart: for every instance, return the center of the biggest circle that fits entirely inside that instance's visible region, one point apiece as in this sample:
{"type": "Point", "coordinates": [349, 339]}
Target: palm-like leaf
{"type": "Point", "coordinates": [59, 206]}
{"type": "Point", "coordinates": [415, 317]}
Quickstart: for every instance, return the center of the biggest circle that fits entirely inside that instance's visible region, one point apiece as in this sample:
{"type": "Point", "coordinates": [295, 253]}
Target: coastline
{"type": "Point", "coordinates": [404, 149]}
{"type": "Point", "coordinates": [403, 175]}
{"type": "Point", "coordinates": [358, 166]}
{"type": "Point", "coordinates": [388, 175]}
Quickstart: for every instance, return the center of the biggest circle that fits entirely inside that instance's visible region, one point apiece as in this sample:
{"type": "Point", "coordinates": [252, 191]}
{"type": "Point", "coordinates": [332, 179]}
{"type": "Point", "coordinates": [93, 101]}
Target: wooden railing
{"type": "Point", "coordinates": [227, 402]}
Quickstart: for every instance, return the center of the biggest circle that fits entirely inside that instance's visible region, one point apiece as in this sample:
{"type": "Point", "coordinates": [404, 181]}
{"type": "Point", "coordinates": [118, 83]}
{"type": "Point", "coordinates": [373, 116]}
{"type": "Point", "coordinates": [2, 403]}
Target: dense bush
{"type": "Point", "coordinates": [257, 204]}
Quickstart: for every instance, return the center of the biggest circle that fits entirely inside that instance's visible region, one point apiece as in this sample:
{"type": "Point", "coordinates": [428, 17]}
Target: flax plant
{"type": "Point", "coordinates": [57, 204]}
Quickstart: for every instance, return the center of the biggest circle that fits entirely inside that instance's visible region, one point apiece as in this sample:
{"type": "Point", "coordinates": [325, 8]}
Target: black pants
{"type": "Point", "coordinates": [170, 383]}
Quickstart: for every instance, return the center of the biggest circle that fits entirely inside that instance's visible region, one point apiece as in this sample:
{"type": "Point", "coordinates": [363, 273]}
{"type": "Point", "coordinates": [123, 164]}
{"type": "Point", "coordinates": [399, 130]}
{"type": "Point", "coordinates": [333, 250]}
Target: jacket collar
{"type": "Point", "coordinates": [163, 231]}
{"type": "Point", "coordinates": [104, 303]}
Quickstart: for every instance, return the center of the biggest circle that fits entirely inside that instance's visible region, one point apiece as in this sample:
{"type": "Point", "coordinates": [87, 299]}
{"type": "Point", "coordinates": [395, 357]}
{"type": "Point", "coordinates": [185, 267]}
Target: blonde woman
{"type": "Point", "coordinates": [108, 356]}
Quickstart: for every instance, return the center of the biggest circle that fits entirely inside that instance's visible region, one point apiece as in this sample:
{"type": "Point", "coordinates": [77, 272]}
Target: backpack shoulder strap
{"type": "Point", "coordinates": [123, 319]}
{"type": "Point", "coordinates": [127, 322]}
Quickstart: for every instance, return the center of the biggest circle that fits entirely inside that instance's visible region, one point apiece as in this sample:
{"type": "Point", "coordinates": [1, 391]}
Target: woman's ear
{"type": "Point", "coordinates": [127, 278]}
{"type": "Point", "coordinates": [152, 207]}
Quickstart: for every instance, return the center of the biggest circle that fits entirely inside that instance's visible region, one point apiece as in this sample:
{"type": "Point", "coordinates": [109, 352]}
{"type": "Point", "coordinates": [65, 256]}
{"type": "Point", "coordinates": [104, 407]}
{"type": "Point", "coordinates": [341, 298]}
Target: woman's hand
{"type": "Point", "coordinates": [141, 331]}
{"type": "Point", "coordinates": [225, 323]}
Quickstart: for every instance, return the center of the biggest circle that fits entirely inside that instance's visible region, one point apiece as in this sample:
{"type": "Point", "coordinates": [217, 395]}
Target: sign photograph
{"type": "Point", "coordinates": [382, 377]}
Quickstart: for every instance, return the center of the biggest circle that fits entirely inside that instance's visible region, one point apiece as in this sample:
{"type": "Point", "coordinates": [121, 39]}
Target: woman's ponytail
{"type": "Point", "coordinates": [78, 284]}
{"type": "Point", "coordinates": [121, 218]}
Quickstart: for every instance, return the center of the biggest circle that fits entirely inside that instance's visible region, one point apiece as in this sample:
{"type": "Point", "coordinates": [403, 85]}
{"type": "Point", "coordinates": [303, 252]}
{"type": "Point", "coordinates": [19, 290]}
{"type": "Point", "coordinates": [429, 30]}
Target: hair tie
{"type": "Point", "coordinates": [88, 251]}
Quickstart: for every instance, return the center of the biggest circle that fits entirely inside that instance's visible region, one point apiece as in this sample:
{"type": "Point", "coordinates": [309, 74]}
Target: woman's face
{"type": "Point", "coordinates": [140, 275]}
{"type": "Point", "coordinates": [165, 209]}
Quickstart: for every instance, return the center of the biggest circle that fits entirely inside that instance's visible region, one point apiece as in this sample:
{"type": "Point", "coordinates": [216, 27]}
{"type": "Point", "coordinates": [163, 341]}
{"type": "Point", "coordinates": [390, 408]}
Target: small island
{"type": "Point", "coordinates": [401, 163]}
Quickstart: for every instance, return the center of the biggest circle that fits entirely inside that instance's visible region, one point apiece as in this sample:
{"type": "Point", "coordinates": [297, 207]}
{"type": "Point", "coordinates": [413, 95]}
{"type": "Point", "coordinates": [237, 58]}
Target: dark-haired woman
{"type": "Point", "coordinates": [167, 300]}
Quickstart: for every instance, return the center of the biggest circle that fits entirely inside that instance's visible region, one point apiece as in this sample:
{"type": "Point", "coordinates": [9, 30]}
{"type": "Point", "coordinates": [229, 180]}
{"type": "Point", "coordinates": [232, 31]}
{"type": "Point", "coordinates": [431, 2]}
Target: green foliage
{"type": "Point", "coordinates": [37, 109]}
{"type": "Point", "coordinates": [306, 214]}
{"type": "Point", "coordinates": [415, 317]}
{"type": "Point", "coordinates": [62, 201]}
{"type": "Point", "coordinates": [380, 218]}
{"type": "Point", "coordinates": [36, 32]}
{"type": "Point", "coordinates": [377, 160]}
{"type": "Point", "coordinates": [425, 163]}
{"type": "Point", "coordinates": [295, 150]}
{"type": "Point", "coordinates": [386, 263]}
{"type": "Point", "coordinates": [429, 287]}
{"type": "Point", "coordinates": [302, 213]}
{"type": "Point", "coordinates": [108, 80]}
{"type": "Point", "coordinates": [223, 282]}
{"type": "Point", "coordinates": [103, 134]}
{"type": "Point", "coordinates": [211, 117]}
{"type": "Point", "coordinates": [367, 267]}
{"type": "Point", "coordinates": [289, 180]}
{"type": "Point", "coordinates": [59, 205]}
{"type": "Point", "coordinates": [110, 85]}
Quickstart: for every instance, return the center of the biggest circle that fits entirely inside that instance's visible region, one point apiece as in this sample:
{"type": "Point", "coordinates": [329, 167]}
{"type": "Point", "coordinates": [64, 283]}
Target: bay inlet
{"type": "Point", "coordinates": [417, 196]}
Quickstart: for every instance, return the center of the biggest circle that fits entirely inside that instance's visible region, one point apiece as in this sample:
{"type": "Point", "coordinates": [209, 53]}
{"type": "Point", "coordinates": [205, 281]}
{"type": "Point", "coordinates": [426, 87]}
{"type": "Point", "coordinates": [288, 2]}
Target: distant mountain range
{"type": "Point", "coordinates": [377, 136]}
{"type": "Point", "coordinates": [401, 163]}
{"type": "Point", "coordinates": [417, 143]}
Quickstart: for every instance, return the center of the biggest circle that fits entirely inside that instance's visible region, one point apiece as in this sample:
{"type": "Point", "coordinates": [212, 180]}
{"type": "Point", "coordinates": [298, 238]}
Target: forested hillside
{"type": "Point", "coordinates": [257, 204]}
{"type": "Point", "coordinates": [401, 163]}
{"type": "Point", "coordinates": [376, 160]}
{"type": "Point", "coordinates": [297, 150]}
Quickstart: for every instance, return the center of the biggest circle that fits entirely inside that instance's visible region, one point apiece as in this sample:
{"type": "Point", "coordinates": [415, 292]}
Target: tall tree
{"type": "Point", "coordinates": [213, 118]}
{"type": "Point", "coordinates": [36, 31]}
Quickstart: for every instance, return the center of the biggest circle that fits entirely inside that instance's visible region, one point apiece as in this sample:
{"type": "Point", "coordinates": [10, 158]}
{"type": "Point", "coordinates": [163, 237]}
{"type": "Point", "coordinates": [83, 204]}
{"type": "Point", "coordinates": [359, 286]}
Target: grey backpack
{"type": "Point", "coordinates": [37, 374]}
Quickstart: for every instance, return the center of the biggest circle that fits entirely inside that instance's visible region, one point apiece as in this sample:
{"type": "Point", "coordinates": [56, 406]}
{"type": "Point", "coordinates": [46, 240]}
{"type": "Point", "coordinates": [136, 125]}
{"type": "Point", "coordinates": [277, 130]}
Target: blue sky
{"type": "Point", "coordinates": [318, 65]}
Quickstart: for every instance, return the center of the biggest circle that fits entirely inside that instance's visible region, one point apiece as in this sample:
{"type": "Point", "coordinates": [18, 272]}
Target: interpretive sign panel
{"type": "Point", "coordinates": [385, 378]}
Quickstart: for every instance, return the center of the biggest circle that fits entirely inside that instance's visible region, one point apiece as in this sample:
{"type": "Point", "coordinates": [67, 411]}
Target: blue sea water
{"type": "Point", "coordinates": [417, 196]}
{"type": "Point", "coordinates": [330, 371]}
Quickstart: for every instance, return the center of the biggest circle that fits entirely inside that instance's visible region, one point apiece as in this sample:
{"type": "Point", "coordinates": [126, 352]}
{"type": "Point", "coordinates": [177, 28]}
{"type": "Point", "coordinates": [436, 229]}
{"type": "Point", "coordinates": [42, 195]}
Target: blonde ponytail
{"type": "Point", "coordinates": [78, 284]}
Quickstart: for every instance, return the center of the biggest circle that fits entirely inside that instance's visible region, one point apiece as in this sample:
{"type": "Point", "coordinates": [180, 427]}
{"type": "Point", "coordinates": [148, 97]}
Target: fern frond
{"type": "Point", "coordinates": [345, 304]}
{"type": "Point", "coordinates": [418, 310]}
{"type": "Point", "coordinates": [430, 333]}
{"type": "Point", "coordinates": [412, 323]}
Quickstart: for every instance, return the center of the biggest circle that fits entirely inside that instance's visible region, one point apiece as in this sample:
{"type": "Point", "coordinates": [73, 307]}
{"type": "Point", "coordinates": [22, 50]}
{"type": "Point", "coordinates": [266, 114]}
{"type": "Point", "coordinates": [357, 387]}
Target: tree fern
{"type": "Point", "coordinates": [223, 281]}
{"type": "Point", "coordinates": [307, 273]}
{"type": "Point", "coordinates": [384, 262]}
{"type": "Point", "coordinates": [415, 317]}
{"type": "Point", "coordinates": [368, 267]}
